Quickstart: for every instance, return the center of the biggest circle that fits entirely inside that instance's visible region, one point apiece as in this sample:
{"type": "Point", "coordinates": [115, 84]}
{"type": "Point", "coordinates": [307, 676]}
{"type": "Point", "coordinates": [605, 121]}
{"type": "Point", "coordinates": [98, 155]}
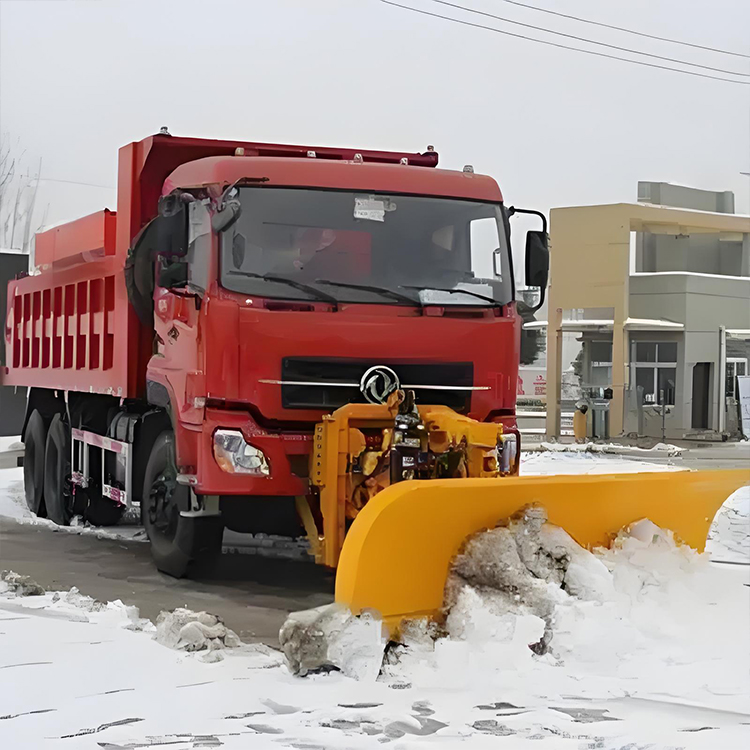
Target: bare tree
{"type": "Point", "coordinates": [18, 194]}
{"type": "Point", "coordinates": [7, 174]}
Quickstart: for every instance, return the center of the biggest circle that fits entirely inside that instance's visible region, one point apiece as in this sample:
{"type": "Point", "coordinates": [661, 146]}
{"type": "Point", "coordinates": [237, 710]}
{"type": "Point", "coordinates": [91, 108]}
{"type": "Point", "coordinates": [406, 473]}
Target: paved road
{"type": "Point", "coordinates": [252, 594]}
{"type": "Point", "coordinates": [709, 456]}
{"type": "Point", "coordinates": [717, 456]}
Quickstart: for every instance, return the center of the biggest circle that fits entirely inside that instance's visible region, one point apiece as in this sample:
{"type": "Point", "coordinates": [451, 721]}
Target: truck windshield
{"type": "Point", "coordinates": [361, 247]}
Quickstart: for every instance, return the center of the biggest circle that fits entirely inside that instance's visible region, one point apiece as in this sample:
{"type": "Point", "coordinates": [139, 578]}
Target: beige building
{"type": "Point", "coordinates": [659, 298]}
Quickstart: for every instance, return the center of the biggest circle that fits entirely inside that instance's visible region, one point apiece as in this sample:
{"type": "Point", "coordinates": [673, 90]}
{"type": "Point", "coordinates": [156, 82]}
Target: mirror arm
{"type": "Point", "coordinates": [191, 292]}
{"type": "Point", "coordinates": [513, 210]}
{"type": "Point", "coordinates": [542, 291]}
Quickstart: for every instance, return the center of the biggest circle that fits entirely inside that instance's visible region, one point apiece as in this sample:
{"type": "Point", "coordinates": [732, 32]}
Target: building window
{"type": "Point", "coordinates": [656, 370]}
{"type": "Point", "coordinates": [735, 366]}
{"type": "Point", "coordinates": [600, 358]}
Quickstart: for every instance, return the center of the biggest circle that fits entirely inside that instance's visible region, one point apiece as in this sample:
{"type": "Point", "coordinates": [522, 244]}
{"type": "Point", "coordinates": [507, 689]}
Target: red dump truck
{"type": "Point", "coordinates": [180, 351]}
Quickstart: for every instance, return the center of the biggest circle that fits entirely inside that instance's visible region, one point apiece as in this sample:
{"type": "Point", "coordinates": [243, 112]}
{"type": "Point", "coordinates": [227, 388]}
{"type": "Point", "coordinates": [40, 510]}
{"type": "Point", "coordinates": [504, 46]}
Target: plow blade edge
{"type": "Point", "coordinates": [398, 551]}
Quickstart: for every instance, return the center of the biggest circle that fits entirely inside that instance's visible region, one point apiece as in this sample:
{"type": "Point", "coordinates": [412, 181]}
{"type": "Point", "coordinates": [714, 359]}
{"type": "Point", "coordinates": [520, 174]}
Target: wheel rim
{"type": "Point", "coordinates": [163, 509]}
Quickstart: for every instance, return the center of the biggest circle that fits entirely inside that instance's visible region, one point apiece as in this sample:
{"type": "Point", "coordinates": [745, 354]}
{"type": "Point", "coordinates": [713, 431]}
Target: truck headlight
{"type": "Point", "coordinates": [236, 456]}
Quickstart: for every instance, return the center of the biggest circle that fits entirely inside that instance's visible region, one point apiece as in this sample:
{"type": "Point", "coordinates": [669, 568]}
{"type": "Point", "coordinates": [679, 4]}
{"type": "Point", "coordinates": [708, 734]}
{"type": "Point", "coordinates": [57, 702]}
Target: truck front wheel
{"type": "Point", "coordinates": [179, 545]}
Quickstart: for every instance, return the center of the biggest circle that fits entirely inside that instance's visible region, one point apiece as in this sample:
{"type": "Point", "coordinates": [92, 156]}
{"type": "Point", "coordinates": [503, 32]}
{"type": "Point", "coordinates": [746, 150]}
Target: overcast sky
{"type": "Point", "coordinates": [79, 78]}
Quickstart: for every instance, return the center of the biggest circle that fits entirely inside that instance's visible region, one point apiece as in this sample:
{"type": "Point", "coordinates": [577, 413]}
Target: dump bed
{"type": "Point", "coordinates": [70, 326]}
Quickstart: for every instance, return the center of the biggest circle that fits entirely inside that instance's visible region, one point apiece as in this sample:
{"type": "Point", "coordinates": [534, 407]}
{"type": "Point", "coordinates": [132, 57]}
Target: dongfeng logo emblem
{"type": "Point", "coordinates": [378, 383]}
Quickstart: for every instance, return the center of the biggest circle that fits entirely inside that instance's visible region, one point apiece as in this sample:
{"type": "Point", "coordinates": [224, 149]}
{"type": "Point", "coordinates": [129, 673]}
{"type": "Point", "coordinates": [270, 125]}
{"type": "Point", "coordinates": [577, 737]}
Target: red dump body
{"type": "Point", "coordinates": [71, 327]}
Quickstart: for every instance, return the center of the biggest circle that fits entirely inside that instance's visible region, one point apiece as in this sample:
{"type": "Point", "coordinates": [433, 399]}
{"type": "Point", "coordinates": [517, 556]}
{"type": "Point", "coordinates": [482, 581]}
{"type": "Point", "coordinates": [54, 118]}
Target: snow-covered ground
{"type": "Point", "coordinates": [660, 661]}
{"type": "Point", "coordinates": [660, 450]}
{"type": "Point", "coordinates": [10, 443]}
{"type": "Point", "coordinates": [585, 462]}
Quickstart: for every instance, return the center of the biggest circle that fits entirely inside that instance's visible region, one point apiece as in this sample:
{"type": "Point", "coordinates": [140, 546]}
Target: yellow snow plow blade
{"type": "Point", "coordinates": [398, 551]}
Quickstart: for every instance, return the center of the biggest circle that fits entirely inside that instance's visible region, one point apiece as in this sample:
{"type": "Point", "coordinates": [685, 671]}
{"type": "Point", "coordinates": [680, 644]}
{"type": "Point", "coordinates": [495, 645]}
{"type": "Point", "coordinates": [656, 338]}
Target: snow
{"type": "Point", "coordinates": [330, 636]}
{"type": "Point", "coordinates": [638, 619]}
{"type": "Point", "coordinates": [665, 666]}
{"type": "Point", "coordinates": [10, 443]}
{"type": "Point", "coordinates": [647, 647]}
{"type": "Point", "coordinates": [660, 450]}
{"type": "Point", "coordinates": [729, 537]}
{"type": "Point", "coordinates": [584, 462]}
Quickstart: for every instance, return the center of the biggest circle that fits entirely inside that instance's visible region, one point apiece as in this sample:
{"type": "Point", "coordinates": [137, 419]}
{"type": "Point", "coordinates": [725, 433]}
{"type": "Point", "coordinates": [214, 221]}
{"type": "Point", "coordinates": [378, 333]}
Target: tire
{"type": "Point", "coordinates": [179, 545]}
{"type": "Point", "coordinates": [57, 472]}
{"type": "Point", "coordinates": [35, 442]}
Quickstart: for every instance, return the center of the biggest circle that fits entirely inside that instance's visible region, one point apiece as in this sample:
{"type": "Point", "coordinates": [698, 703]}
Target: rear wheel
{"type": "Point", "coordinates": [179, 545]}
{"type": "Point", "coordinates": [57, 472]}
{"type": "Point", "coordinates": [35, 440]}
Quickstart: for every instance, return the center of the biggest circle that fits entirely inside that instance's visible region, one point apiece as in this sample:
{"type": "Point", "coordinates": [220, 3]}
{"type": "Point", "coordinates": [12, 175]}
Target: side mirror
{"type": "Point", "coordinates": [537, 254]}
{"type": "Point", "coordinates": [222, 220]}
{"type": "Point", "coordinates": [172, 227]}
{"type": "Point", "coordinates": [537, 259]}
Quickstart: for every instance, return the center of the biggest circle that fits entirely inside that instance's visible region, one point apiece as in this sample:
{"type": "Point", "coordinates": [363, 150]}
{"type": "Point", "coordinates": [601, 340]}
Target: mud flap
{"type": "Point", "coordinates": [398, 551]}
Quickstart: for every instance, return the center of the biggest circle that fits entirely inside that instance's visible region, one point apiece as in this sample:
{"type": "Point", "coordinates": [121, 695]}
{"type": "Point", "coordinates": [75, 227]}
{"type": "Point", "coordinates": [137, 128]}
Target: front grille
{"type": "Point", "coordinates": [329, 397]}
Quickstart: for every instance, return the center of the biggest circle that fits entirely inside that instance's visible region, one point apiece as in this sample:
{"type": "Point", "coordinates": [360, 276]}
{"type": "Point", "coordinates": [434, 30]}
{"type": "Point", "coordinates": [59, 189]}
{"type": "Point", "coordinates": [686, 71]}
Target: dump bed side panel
{"type": "Point", "coordinates": [70, 329]}
{"type": "Point", "coordinates": [77, 241]}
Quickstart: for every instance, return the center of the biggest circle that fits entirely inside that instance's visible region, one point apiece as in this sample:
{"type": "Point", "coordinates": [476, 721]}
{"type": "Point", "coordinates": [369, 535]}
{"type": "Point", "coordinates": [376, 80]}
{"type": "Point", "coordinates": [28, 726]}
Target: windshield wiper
{"type": "Point", "coordinates": [383, 291]}
{"type": "Point", "coordinates": [311, 290]}
{"type": "Point", "coordinates": [454, 291]}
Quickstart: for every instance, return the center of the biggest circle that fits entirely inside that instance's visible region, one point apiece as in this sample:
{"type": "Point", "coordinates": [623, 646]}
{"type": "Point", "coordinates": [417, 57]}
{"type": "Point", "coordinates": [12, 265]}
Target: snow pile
{"type": "Point", "coordinates": [19, 585]}
{"type": "Point", "coordinates": [660, 450]}
{"type": "Point", "coordinates": [20, 594]}
{"type": "Point", "coordinates": [729, 536]}
{"type": "Point", "coordinates": [522, 570]}
{"type": "Point", "coordinates": [10, 443]}
{"type": "Point", "coordinates": [185, 630]}
{"type": "Point", "coordinates": [76, 599]}
{"type": "Point", "coordinates": [330, 637]}
{"type": "Point", "coordinates": [527, 606]}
